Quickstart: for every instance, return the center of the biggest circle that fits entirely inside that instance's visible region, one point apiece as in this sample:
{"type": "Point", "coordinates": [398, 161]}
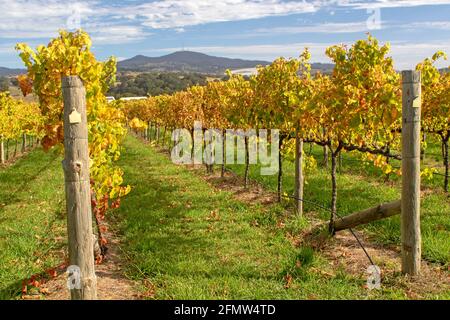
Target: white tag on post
{"type": "Point", "coordinates": [417, 102]}
{"type": "Point", "coordinates": [74, 117]}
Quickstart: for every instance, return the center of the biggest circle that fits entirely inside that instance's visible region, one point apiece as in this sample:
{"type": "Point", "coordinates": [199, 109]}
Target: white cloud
{"type": "Point", "coordinates": [344, 27]}
{"type": "Point", "coordinates": [7, 48]}
{"type": "Point", "coordinates": [436, 25]}
{"type": "Point", "coordinates": [405, 55]}
{"type": "Point", "coordinates": [38, 19]}
{"type": "Point", "coordinates": [127, 21]}
{"type": "Point", "coordinates": [41, 18]}
{"type": "Point", "coordinates": [109, 33]}
{"type": "Point", "coordinates": [374, 4]}
{"type": "Point", "coordinates": [32, 19]}
{"type": "Point", "coordinates": [180, 13]}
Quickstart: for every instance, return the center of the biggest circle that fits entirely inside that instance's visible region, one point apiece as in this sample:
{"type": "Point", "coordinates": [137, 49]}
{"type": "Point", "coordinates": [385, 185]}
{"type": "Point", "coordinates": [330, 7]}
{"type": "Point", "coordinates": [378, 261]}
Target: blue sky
{"type": "Point", "coordinates": [251, 29]}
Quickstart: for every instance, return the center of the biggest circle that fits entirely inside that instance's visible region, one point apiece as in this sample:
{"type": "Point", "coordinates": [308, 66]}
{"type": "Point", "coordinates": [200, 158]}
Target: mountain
{"type": "Point", "coordinates": [187, 61]}
{"type": "Point", "coordinates": [6, 72]}
{"type": "Point", "coordinates": [324, 68]}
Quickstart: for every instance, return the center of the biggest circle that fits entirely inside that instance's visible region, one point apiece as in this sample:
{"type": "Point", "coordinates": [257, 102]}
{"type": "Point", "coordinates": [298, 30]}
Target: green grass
{"type": "Point", "coordinates": [190, 241]}
{"type": "Point", "coordinates": [13, 147]}
{"type": "Point", "coordinates": [32, 219]}
{"type": "Point", "coordinates": [362, 186]}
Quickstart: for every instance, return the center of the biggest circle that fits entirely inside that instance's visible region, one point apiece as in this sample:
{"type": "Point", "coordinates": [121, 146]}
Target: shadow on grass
{"type": "Point", "coordinates": [24, 171]}
{"type": "Point", "coordinates": [152, 213]}
{"type": "Point", "coordinates": [176, 225]}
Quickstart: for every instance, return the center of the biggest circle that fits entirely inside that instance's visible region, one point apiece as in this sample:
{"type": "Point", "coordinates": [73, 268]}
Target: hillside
{"type": "Point", "coordinates": [186, 61]}
{"type": "Point", "coordinates": [7, 72]}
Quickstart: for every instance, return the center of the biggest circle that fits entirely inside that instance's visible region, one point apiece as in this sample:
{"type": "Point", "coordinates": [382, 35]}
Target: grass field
{"type": "Point", "coordinates": [361, 186]}
{"type": "Point", "coordinates": [195, 242]}
{"type": "Point", "coordinates": [184, 239]}
{"type": "Point", "coordinates": [32, 219]}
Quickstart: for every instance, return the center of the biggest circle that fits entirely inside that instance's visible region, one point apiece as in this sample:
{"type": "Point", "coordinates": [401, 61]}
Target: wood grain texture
{"type": "Point", "coordinates": [298, 188]}
{"type": "Point", "coordinates": [379, 212]}
{"type": "Point", "coordinates": [410, 222]}
{"type": "Point", "coordinates": [2, 151]}
{"type": "Point", "coordinates": [77, 185]}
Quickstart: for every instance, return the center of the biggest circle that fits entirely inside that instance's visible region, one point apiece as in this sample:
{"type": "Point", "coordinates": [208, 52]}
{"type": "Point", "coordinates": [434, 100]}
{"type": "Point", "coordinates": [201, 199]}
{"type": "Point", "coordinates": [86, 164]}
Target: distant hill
{"type": "Point", "coordinates": [324, 68]}
{"type": "Point", "coordinates": [7, 72]}
{"type": "Point", "coordinates": [186, 61]}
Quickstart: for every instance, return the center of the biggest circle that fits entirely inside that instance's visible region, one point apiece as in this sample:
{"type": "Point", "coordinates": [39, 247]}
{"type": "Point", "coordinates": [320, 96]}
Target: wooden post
{"type": "Point", "coordinates": [410, 224]}
{"type": "Point", "coordinates": [445, 151]}
{"type": "Point", "coordinates": [334, 187]}
{"type": "Point", "coordinates": [280, 171]}
{"type": "Point", "coordinates": [222, 173]}
{"type": "Point", "coordinates": [379, 212]}
{"type": "Point", "coordinates": [325, 151]}
{"type": "Point", "coordinates": [2, 151]}
{"type": "Point", "coordinates": [7, 150]}
{"type": "Point", "coordinates": [157, 134]}
{"type": "Point", "coordinates": [298, 192]}
{"type": "Point", "coordinates": [77, 185]}
{"type": "Point", "coordinates": [24, 142]}
{"type": "Point", "coordinates": [164, 137]}
{"type": "Point", "coordinates": [325, 157]}
{"type": "Point", "coordinates": [247, 163]}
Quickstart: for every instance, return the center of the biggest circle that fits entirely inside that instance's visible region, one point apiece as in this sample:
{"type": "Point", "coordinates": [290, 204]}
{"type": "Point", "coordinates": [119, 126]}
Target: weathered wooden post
{"type": "Point", "coordinates": [7, 150]}
{"type": "Point", "coordinates": [2, 151]}
{"type": "Point", "coordinates": [157, 134]}
{"type": "Point", "coordinates": [298, 192]}
{"type": "Point", "coordinates": [410, 222]}
{"type": "Point", "coordinates": [77, 185]}
{"type": "Point", "coordinates": [24, 142]}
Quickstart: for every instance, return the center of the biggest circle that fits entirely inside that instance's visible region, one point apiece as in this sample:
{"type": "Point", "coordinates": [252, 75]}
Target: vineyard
{"type": "Point", "coordinates": [345, 153]}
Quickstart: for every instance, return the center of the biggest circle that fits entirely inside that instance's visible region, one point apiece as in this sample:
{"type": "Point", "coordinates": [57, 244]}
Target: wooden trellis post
{"type": "Point", "coordinates": [24, 142]}
{"type": "Point", "coordinates": [77, 185]}
{"type": "Point", "coordinates": [2, 151]}
{"type": "Point", "coordinates": [298, 192]}
{"type": "Point", "coordinates": [410, 222]}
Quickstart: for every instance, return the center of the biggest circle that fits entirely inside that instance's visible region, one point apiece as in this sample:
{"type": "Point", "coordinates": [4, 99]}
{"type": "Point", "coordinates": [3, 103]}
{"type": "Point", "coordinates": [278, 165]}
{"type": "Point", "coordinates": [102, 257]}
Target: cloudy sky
{"type": "Point", "coordinates": [253, 29]}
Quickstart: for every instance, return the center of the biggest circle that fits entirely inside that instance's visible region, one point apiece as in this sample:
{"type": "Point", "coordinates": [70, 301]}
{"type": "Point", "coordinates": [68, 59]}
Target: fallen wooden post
{"type": "Point", "coordinates": [379, 212]}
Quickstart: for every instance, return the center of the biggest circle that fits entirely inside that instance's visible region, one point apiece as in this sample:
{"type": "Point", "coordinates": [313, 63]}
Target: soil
{"type": "Point", "coordinates": [112, 283]}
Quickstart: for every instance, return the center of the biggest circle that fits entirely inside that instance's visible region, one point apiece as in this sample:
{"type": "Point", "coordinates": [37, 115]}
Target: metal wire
{"type": "Point", "coordinates": [340, 217]}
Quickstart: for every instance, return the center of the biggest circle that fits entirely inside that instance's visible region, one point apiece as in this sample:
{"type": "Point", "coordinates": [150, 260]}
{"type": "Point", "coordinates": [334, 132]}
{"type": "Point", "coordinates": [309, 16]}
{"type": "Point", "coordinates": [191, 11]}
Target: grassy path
{"type": "Point", "coordinates": [32, 219]}
{"type": "Point", "coordinates": [360, 187]}
{"type": "Point", "coordinates": [181, 238]}
{"type": "Point", "coordinates": [190, 241]}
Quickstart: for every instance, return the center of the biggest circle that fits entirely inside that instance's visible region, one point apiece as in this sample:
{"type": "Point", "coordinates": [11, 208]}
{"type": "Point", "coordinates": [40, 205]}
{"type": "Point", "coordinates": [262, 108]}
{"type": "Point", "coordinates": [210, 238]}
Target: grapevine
{"type": "Point", "coordinates": [70, 54]}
